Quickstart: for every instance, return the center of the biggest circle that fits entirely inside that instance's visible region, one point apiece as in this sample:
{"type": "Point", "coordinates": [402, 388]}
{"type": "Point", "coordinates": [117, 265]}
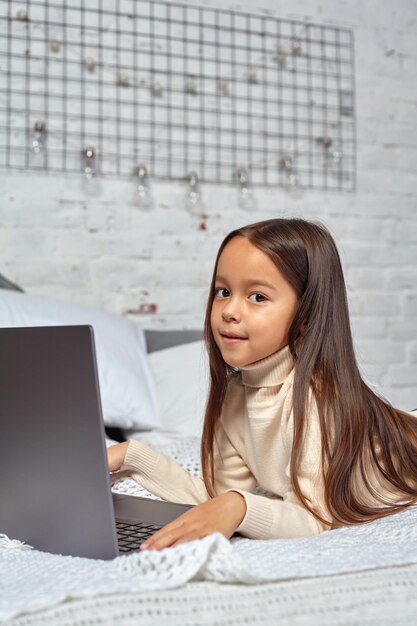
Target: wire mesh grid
{"type": "Point", "coordinates": [177, 88]}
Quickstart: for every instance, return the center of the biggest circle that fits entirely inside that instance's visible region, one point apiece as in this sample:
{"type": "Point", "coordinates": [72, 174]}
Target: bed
{"type": "Point", "coordinates": [153, 387]}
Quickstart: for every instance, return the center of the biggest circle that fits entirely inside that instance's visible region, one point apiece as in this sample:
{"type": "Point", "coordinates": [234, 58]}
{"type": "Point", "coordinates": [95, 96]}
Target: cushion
{"type": "Point", "coordinates": [127, 386]}
{"type": "Point", "coordinates": [181, 378]}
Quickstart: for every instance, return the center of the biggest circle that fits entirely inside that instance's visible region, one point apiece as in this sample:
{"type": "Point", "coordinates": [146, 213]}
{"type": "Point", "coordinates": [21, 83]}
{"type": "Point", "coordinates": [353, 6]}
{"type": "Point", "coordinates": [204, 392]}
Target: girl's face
{"type": "Point", "coordinates": [253, 305]}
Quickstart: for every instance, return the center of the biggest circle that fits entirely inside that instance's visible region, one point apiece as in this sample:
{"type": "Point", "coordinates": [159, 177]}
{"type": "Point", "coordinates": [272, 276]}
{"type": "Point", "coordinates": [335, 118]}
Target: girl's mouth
{"type": "Point", "coordinates": [231, 338]}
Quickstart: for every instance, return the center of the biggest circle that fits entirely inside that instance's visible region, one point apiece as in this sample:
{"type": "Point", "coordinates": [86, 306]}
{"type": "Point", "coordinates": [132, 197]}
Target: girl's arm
{"type": "Point", "coordinates": [165, 478]}
{"type": "Point", "coordinates": [266, 518]}
{"type": "Point", "coordinates": [156, 472]}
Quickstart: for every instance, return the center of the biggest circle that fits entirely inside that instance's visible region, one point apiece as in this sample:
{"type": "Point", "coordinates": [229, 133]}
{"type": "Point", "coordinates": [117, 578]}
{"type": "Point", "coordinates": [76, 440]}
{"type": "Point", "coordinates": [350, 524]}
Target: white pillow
{"type": "Point", "coordinates": [182, 377]}
{"type": "Point", "coordinates": [127, 387]}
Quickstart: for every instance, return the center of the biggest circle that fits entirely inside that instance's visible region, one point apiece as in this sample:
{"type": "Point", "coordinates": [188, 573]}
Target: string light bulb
{"type": "Point", "coordinates": [39, 137]}
{"type": "Point", "coordinates": [245, 196]}
{"type": "Point", "coordinates": [143, 197]}
{"type": "Point", "coordinates": [193, 198]}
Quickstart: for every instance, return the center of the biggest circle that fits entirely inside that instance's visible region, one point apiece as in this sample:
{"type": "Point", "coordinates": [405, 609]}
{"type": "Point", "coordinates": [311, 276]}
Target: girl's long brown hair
{"type": "Point", "coordinates": [359, 430]}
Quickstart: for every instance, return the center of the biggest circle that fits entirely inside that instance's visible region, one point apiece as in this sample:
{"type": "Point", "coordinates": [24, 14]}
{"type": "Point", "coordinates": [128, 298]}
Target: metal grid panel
{"type": "Point", "coordinates": [178, 88]}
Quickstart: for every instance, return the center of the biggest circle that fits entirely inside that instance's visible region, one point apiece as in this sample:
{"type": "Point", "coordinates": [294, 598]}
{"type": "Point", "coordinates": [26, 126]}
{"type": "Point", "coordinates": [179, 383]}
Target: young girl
{"type": "Point", "coordinates": [287, 409]}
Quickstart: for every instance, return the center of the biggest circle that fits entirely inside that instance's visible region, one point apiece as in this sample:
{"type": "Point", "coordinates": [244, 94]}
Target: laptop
{"type": "Point", "coordinates": [55, 488]}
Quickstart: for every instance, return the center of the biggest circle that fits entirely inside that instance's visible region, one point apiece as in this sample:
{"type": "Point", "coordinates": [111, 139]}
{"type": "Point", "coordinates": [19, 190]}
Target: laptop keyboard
{"type": "Point", "coordinates": [130, 536]}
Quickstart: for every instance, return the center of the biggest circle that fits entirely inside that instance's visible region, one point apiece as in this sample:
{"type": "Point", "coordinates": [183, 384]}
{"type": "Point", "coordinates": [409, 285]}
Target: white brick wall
{"type": "Point", "coordinates": [155, 266]}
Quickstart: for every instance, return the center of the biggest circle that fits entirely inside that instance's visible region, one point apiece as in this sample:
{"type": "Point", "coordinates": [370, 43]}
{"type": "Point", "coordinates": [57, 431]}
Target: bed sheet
{"type": "Point", "coordinates": [373, 598]}
{"type": "Point", "coordinates": [361, 575]}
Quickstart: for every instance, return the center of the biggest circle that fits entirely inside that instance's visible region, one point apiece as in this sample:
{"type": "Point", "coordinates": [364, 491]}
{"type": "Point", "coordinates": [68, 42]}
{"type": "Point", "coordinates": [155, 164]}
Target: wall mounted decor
{"type": "Point", "coordinates": [182, 88]}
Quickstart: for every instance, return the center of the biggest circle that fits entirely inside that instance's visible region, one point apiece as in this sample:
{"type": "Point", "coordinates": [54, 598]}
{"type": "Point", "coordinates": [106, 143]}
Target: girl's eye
{"type": "Point", "coordinates": [257, 297]}
{"type": "Point", "coordinates": [222, 293]}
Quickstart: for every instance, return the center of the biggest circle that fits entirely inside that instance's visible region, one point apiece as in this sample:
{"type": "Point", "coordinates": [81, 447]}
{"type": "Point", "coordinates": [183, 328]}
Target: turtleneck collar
{"type": "Point", "coordinates": [268, 372]}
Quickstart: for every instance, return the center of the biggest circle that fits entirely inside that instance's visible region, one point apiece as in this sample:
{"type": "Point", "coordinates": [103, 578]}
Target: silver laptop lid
{"type": "Point", "coordinates": [54, 484]}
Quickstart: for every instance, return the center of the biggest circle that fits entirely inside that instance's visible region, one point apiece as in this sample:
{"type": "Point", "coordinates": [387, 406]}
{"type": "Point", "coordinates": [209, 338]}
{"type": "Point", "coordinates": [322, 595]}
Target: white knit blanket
{"type": "Point", "coordinates": [32, 580]}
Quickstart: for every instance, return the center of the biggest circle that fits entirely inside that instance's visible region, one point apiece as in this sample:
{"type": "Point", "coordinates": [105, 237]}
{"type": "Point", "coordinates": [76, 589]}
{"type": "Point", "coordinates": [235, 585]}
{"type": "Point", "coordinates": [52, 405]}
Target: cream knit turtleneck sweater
{"type": "Point", "coordinates": [252, 448]}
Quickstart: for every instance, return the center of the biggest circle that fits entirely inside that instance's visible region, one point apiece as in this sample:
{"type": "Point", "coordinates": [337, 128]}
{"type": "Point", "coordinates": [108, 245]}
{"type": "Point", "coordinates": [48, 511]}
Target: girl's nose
{"type": "Point", "coordinates": [231, 312]}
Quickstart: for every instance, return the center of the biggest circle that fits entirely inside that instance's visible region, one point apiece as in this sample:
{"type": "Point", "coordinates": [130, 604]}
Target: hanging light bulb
{"type": "Point", "coordinates": [332, 155]}
{"type": "Point", "coordinates": [90, 180]}
{"type": "Point", "coordinates": [89, 163]}
{"type": "Point", "coordinates": [39, 137]}
{"type": "Point", "coordinates": [22, 15]}
{"type": "Point", "coordinates": [286, 164]}
{"type": "Point", "coordinates": [280, 57]}
{"type": "Point", "coordinates": [296, 46]}
{"type": "Point", "coordinates": [193, 200]}
{"type": "Point", "coordinates": [245, 196]}
{"type": "Point", "coordinates": [90, 64]}
{"type": "Point", "coordinates": [143, 197]}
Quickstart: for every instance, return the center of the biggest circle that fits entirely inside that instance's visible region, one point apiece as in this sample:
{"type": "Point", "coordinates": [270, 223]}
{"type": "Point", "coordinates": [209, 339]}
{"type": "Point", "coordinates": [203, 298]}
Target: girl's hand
{"type": "Point", "coordinates": [116, 455]}
{"type": "Point", "coordinates": [222, 514]}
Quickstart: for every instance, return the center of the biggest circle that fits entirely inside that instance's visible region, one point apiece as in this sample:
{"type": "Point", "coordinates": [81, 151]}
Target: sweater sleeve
{"type": "Point", "coordinates": [165, 478]}
{"type": "Point", "coordinates": [286, 517]}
